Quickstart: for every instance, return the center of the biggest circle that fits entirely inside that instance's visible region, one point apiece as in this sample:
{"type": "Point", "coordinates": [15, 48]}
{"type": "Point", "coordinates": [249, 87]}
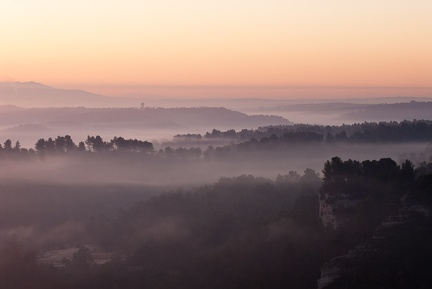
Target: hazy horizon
{"type": "Point", "coordinates": [249, 91]}
{"type": "Point", "coordinates": [215, 144]}
{"type": "Point", "coordinates": [226, 49]}
{"type": "Point", "coordinates": [224, 92]}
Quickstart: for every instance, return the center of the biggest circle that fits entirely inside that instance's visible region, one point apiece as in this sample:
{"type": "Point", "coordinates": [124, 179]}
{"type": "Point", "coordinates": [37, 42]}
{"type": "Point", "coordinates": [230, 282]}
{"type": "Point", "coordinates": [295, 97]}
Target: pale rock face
{"type": "Point", "coordinates": [334, 268]}
{"type": "Point", "coordinates": [329, 205]}
{"type": "Point", "coordinates": [326, 214]}
{"type": "Point", "coordinates": [329, 273]}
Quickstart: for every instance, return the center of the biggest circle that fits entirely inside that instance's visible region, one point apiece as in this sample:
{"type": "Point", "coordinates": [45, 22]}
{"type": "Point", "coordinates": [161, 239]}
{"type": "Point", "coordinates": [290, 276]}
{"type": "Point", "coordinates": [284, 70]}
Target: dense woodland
{"type": "Point", "coordinates": [247, 232]}
{"type": "Point", "coordinates": [391, 216]}
{"type": "Point", "coordinates": [417, 130]}
{"type": "Point", "coordinates": [280, 138]}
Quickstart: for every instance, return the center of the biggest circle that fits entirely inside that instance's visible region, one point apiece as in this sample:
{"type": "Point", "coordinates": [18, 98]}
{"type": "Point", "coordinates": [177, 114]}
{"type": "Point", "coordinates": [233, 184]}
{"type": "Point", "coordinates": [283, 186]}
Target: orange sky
{"type": "Point", "coordinates": [120, 47]}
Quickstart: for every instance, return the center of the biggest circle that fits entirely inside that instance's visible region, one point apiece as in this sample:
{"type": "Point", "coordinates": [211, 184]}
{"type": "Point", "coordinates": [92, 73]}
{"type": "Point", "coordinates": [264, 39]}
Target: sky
{"type": "Point", "coordinates": [225, 47]}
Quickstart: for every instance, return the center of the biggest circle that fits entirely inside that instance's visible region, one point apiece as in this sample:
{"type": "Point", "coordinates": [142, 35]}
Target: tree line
{"type": "Point", "coordinates": [416, 130]}
{"type": "Point", "coordinates": [262, 139]}
{"type": "Point", "coordinates": [65, 144]}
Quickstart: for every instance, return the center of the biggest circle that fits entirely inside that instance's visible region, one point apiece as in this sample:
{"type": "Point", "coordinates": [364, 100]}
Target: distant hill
{"type": "Point", "coordinates": [27, 128]}
{"type": "Point", "coordinates": [15, 96]}
{"type": "Point", "coordinates": [29, 110]}
{"type": "Point", "coordinates": [347, 112]}
{"type": "Point", "coordinates": [29, 124]}
{"type": "Point", "coordinates": [201, 117]}
{"type": "Point", "coordinates": [394, 111]}
{"type": "Point", "coordinates": [319, 107]}
{"type": "Point", "coordinates": [33, 94]}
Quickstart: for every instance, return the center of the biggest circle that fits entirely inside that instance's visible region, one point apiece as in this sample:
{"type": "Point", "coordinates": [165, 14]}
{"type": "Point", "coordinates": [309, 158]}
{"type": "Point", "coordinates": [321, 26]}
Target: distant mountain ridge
{"type": "Point", "coordinates": [31, 110]}
{"type": "Point", "coordinates": [33, 94]}
{"type": "Point", "coordinates": [18, 95]}
{"type": "Point", "coordinates": [393, 111]}
{"type": "Point", "coordinates": [184, 117]}
{"type": "Point", "coordinates": [30, 124]}
{"type": "Point", "coordinates": [346, 112]}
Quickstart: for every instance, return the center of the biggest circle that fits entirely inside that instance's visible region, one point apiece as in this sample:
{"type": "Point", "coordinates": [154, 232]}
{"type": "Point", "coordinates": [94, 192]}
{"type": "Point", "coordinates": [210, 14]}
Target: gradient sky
{"type": "Point", "coordinates": [108, 46]}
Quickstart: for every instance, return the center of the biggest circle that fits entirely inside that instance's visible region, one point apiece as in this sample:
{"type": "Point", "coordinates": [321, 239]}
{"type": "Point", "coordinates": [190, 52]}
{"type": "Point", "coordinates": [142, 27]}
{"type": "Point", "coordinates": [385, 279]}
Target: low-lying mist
{"type": "Point", "coordinates": [76, 186]}
{"type": "Point", "coordinates": [105, 169]}
{"type": "Point", "coordinates": [199, 218]}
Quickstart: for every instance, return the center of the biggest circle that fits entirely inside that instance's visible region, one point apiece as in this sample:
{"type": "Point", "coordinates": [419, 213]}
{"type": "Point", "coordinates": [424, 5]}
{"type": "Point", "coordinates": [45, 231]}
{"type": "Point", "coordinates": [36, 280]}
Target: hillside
{"type": "Point", "coordinates": [334, 112]}
{"type": "Point", "coordinates": [143, 117]}
{"type": "Point", "coordinates": [33, 94]}
{"type": "Point", "coordinates": [148, 123]}
{"type": "Point", "coordinates": [393, 111]}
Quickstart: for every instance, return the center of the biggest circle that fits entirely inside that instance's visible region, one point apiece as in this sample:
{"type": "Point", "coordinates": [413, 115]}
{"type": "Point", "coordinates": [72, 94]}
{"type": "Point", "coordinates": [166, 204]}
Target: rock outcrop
{"type": "Point", "coordinates": [392, 237]}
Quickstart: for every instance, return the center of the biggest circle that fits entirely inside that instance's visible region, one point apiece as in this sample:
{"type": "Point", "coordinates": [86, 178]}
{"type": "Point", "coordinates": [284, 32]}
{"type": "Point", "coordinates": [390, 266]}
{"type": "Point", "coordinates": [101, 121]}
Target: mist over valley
{"type": "Point", "coordinates": [274, 192]}
{"type": "Point", "coordinates": [215, 144]}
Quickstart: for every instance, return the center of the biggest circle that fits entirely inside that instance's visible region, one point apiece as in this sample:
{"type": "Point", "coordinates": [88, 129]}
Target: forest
{"type": "Point", "coordinates": [151, 215]}
{"type": "Point", "coordinates": [247, 232]}
{"type": "Point", "coordinates": [286, 137]}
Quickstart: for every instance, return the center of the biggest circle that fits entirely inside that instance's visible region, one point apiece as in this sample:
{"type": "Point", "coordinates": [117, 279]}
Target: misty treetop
{"type": "Point", "coordinates": [60, 144]}
{"type": "Point", "coordinates": [63, 144]}
{"type": "Point", "coordinates": [356, 196]}
{"type": "Point", "coordinates": [393, 131]}
{"type": "Point", "coordinates": [416, 130]}
{"type": "Point", "coordinates": [290, 137]}
{"type": "Point", "coordinates": [374, 178]}
{"type": "Point", "coordinates": [118, 144]}
{"type": "Point", "coordinates": [231, 145]}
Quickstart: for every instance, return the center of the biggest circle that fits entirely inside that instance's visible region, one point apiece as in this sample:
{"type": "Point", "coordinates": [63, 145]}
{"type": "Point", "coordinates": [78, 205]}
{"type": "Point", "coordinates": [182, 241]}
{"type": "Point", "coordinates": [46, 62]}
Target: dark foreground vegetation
{"type": "Point", "coordinates": [387, 209]}
{"type": "Point", "coordinates": [252, 232]}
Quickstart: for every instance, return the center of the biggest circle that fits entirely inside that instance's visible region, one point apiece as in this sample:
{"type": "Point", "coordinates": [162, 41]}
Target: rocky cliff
{"type": "Point", "coordinates": [387, 252]}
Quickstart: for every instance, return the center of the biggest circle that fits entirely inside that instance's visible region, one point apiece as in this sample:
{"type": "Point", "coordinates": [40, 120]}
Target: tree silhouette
{"type": "Point", "coordinates": [8, 145]}
{"type": "Point", "coordinates": [40, 145]}
{"type": "Point", "coordinates": [17, 146]}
